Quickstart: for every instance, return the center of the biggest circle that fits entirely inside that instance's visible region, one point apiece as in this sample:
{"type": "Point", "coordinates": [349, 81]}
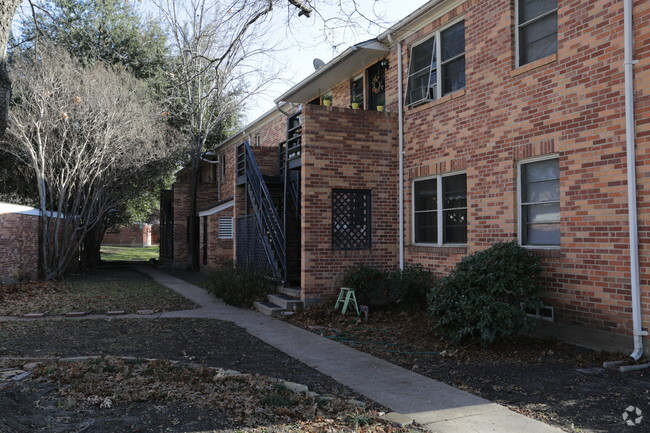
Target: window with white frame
{"type": "Point", "coordinates": [440, 210]}
{"type": "Point", "coordinates": [539, 185]}
{"type": "Point", "coordinates": [225, 228]}
{"type": "Point", "coordinates": [437, 65]}
{"type": "Point", "coordinates": [536, 29]}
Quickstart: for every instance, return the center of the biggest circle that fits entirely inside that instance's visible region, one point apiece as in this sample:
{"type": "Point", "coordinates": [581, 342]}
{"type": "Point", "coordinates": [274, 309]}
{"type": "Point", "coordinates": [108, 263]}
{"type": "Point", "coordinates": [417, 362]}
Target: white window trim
{"type": "Point", "coordinates": [438, 47]}
{"type": "Point", "coordinates": [517, 30]}
{"type": "Point", "coordinates": [439, 210]}
{"type": "Point", "coordinates": [519, 213]}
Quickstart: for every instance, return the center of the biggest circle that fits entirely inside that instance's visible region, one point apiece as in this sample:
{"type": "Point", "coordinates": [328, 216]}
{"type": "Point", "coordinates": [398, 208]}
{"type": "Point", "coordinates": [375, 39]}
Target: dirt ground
{"type": "Point", "coordinates": [30, 406]}
{"type": "Point", "coordinates": [560, 384]}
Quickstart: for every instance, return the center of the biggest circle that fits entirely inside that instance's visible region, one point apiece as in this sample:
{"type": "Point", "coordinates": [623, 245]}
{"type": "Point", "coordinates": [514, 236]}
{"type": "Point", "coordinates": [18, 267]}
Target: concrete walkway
{"type": "Point", "coordinates": [439, 407]}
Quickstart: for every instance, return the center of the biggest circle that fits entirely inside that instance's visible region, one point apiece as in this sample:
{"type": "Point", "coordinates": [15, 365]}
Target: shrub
{"type": "Point", "coordinates": [484, 296]}
{"type": "Point", "coordinates": [409, 287]}
{"type": "Point", "coordinates": [369, 283]}
{"type": "Point", "coordinates": [240, 286]}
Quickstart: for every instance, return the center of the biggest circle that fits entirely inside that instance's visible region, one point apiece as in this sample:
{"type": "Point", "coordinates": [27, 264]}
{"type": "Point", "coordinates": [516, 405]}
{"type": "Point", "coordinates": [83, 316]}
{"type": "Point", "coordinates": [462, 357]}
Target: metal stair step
{"type": "Point", "coordinates": [287, 302]}
{"type": "Point", "coordinates": [269, 309]}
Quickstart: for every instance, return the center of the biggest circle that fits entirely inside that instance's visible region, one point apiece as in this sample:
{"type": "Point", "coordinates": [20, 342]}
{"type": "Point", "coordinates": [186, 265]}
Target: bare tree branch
{"type": "Point", "coordinates": [93, 140]}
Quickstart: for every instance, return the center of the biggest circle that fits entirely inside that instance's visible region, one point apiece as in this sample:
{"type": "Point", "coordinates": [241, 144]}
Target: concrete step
{"type": "Point", "coordinates": [287, 302]}
{"type": "Point", "coordinates": [290, 291]}
{"type": "Point", "coordinates": [269, 309]}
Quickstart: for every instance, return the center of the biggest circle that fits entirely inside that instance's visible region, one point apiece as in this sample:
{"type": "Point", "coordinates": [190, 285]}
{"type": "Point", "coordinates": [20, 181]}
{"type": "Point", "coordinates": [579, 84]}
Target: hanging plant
{"type": "Point", "coordinates": [377, 84]}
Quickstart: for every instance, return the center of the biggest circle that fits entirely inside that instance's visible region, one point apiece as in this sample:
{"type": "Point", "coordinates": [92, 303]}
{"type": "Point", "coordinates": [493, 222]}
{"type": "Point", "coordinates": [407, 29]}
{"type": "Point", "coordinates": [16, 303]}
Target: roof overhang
{"type": "Point", "coordinates": [419, 18]}
{"type": "Point", "coordinates": [221, 206]}
{"type": "Point", "coordinates": [352, 60]}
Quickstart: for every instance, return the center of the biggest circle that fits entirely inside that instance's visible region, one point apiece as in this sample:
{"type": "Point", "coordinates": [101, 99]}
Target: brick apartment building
{"type": "Point", "coordinates": [479, 122]}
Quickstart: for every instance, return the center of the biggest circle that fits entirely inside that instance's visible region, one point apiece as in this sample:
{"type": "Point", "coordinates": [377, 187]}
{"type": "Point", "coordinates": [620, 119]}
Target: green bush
{"type": "Point", "coordinates": [240, 286]}
{"type": "Point", "coordinates": [406, 288]}
{"type": "Point", "coordinates": [484, 296]}
{"type": "Point", "coordinates": [369, 284]}
{"type": "Point", "coordinates": [409, 287]}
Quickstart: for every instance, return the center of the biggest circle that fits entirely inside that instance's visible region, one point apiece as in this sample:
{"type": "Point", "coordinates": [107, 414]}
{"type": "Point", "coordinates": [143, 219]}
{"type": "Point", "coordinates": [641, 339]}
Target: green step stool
{"type": "Point", "coordinates": [347, 296]}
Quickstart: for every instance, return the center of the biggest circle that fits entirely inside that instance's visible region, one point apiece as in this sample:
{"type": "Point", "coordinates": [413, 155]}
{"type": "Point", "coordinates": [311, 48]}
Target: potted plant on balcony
{"type": "Point", "coordinates": [357, 101]}
{"type": "Point", "coordinates": [327, 100]}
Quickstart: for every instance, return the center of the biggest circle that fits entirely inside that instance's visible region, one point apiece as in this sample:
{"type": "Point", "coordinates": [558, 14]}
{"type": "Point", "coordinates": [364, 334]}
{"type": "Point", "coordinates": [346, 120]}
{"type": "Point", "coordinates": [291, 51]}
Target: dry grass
{"type": "Point", "coordinates": [91, 294]}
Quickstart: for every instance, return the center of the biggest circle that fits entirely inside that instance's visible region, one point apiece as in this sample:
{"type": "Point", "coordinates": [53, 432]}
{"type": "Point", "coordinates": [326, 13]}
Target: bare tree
{"type": "Point", "coordinates": [7, 11]}
{"type": "Point", "coordinates": [221, 53]}
{"type": "Point", "coordinates": [92, 138]}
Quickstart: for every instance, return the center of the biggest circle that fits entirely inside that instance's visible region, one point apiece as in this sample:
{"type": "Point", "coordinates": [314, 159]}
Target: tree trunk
{"type": "Point", "coordinates": [7, 11]}
{"type": "Point", "coordinates": [92, 242]}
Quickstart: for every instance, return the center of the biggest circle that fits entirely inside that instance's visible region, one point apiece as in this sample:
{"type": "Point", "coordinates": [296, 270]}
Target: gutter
{"type": "Point", "coordinates": [400, 116]}
{"type": "Point", "coordinates": [630, 133]}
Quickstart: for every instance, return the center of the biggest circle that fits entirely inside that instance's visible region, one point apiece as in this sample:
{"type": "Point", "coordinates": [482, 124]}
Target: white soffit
{"type": "Point", "coordinates": [15, 208]}
{"type": "Point", "coordinates": [217, 209]}
{"type": "Point", "coordinates": [348, 63]}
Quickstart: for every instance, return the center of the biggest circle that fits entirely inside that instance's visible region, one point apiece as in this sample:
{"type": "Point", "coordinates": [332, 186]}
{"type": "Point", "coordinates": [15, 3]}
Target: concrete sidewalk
{"type": "Point", "coordinates": [439, 407]}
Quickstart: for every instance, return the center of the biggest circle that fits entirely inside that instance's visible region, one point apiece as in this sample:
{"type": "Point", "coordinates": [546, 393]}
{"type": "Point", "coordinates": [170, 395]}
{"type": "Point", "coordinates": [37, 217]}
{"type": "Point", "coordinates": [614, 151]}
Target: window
{"type": "Point", "coordinates": [540, 202]}
{"type": "Point", "coordinates": [356, 91]}
{"type": "Point", "coordinates": [351, 219]}
{"type": "Point", "coordinates": [440, 221]}
{"type": "Point", "coordinates": [536, 29]}
{"type": "Point", "coordinates": [225, 228]}
{"type": "Point", "coordinates": [437, 65]}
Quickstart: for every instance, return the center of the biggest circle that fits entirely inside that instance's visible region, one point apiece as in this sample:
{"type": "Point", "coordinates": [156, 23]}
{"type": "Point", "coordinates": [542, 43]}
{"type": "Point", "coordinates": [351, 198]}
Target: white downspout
{"type": "Point", "coordinates": [400, 116]}
{"type": "Point", "coordinates": [630, 134]}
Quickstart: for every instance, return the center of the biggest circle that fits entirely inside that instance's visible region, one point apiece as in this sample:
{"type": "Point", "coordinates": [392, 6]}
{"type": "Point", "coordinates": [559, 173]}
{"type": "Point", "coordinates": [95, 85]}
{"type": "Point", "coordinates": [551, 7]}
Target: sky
{"type": "Point", "coordinates": [308, 40]}
{"type": "Point", "coordinates": [297, 60]}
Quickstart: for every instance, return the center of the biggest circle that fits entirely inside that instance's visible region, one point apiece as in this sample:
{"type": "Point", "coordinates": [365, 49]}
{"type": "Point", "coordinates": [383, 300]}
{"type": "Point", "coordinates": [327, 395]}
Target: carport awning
{"type": "Point", "coordinates": [354, 59]}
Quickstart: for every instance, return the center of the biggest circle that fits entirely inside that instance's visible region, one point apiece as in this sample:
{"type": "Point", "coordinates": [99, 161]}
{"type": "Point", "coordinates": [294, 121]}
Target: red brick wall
{"type": "Point", "coordinates": [135, 235]}
{"type": "Point", "coordinates": [267, 160]}
{"type": "Point", "coordinates": [155, 234]}
{"type": "Point", "coordinates": [350, 149]}
{"type": "Point", "coordinates": [219, 251]}
{"type": "Point", "coordinates": [18, 246]}
{"type": "Point", "coordinates": [571, 104]}
{"type": "Point", "coordinates": [181, 203]}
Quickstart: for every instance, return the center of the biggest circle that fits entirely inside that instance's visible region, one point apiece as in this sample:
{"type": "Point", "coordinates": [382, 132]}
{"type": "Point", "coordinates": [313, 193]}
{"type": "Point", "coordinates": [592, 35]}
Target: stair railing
{"type": "Point", "coordinates": [266, 215]}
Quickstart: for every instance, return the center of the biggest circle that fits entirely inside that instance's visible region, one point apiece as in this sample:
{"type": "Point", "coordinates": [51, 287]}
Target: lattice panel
{"type": "Point", "coordinates": [250, 251]}
{"type": "Point", "coordinates": [351, 219]}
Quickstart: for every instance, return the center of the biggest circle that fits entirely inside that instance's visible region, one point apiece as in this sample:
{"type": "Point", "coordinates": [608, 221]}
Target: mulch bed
{"type": "Point", "coordinates": [557, 383]}
{"type": "Point", "coordinates": [131, 395]}
{"type": "Point", "coordinates": [206, 342]}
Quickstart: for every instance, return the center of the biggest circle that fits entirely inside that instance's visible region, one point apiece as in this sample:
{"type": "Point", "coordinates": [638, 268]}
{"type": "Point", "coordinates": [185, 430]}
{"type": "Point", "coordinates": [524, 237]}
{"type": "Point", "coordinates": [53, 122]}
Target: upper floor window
{"type": "Point", "coordinates": [444, 220]}
{"type": "Point", "coordinates": [540, 202]}
{"type": "Point", "coordinates": [356, 91]}
{"type": "Point", "coordinates": [536, 29]}
{"type": "Point", "coordinates": [438, 65]}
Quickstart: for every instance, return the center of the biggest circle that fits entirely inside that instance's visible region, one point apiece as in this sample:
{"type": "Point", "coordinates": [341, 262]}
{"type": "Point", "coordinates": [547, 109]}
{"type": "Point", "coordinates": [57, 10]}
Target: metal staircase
{"type": "Point", "coordinates": [269, 226]}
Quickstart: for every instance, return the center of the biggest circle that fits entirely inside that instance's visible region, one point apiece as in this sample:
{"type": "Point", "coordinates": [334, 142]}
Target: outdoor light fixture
{"type": "Point", "coordinates": [384, 63]}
